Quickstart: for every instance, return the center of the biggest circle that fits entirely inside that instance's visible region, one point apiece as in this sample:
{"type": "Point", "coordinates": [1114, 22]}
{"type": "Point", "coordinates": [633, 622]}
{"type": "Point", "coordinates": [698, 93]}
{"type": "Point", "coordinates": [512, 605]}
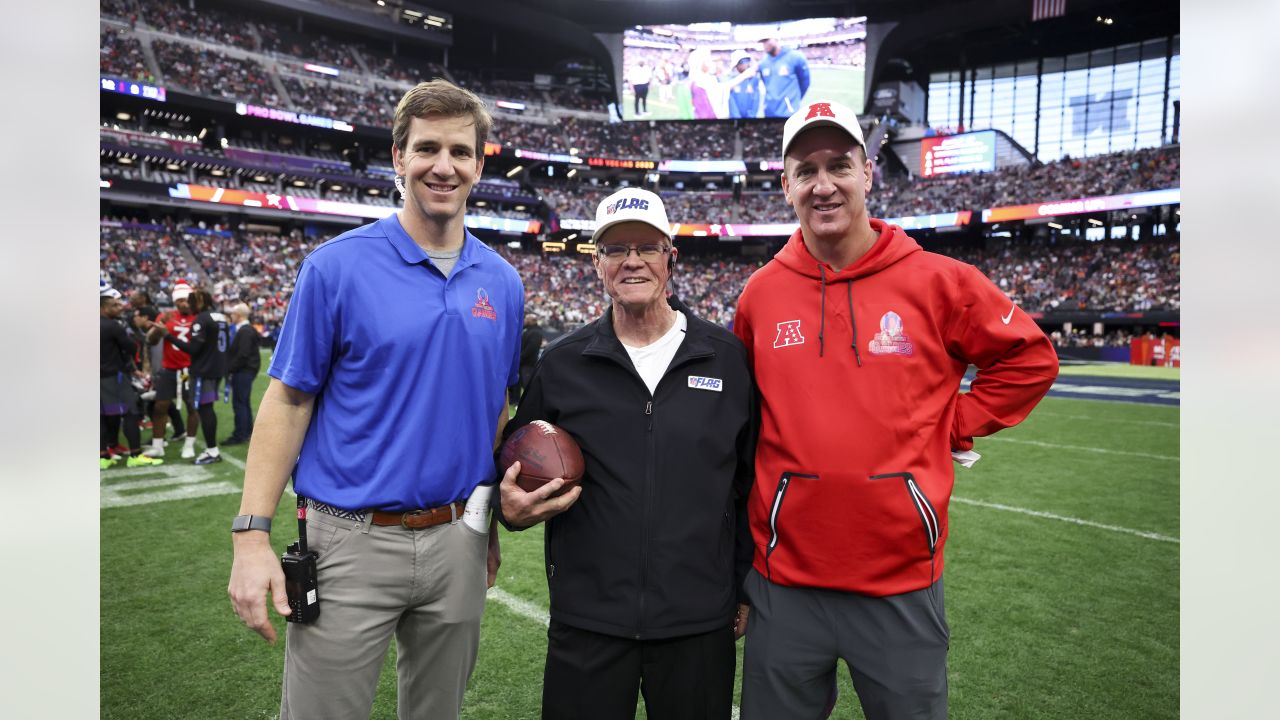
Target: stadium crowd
{"type": "Point", "coordinates": [562, 292]}
{"type": "Point", "coordinates": [207, 23]}
{"type": "Point", "coordinates": [214, 74]}
{"type": "Point", "coordinates": [120, 54]}
{"type": "Point", "coordinates": [363, 106]}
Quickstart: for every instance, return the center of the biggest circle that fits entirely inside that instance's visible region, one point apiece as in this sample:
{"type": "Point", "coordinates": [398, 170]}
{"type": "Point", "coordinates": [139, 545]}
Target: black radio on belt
{"type": "Point", "coordinates": [300, 582]}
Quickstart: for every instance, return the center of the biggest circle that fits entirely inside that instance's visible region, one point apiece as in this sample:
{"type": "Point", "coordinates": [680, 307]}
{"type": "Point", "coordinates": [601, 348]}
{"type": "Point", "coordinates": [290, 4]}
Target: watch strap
{"type": "Point", "coordinates": [242, 523]}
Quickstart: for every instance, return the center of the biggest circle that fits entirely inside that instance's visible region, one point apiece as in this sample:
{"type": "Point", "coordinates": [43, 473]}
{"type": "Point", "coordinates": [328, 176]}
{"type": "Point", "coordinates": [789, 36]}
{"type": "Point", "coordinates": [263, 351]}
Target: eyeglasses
{"type": "Point", "coordinates": [647, 252]}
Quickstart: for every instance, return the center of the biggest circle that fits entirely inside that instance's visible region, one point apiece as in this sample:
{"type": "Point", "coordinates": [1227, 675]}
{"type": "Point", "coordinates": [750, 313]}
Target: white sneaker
{"type": "Point", "coordinates": [155, 451]}
{"type": "Point", "coordinates": [188, 451]}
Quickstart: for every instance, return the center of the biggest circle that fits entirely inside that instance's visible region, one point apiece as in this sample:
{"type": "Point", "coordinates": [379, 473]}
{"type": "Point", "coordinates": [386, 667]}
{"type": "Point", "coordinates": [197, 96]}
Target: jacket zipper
{"type": "Point", "coordinates": [783, 483]}
{"type": "Point", "coordinates": [924, 508]}
{"type": "Point", "coordinates": [644, 517]}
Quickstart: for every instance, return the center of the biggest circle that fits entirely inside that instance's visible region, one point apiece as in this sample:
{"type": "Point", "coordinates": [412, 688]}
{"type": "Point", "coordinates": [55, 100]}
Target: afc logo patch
{"type": "Point", "coordinates": [816, 109]}
{"type": "Point", "coordinates": [788, 334]}
{"type": "Point", "coordinates": [482, 308]}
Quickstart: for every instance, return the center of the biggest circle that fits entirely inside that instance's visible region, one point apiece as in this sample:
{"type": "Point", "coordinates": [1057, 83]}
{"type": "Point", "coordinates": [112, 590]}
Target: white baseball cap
{"type": "Point", "coordinates": [818, 113]}
{"type": "Point", "coordinates": [631, 205]}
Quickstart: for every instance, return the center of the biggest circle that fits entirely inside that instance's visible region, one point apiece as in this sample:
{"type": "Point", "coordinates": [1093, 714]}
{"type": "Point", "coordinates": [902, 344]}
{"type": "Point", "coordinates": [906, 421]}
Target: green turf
{"type": "Point", "coordinates": [1049, 618]}
{"type": "Point", "coordinates": [1121, 370]}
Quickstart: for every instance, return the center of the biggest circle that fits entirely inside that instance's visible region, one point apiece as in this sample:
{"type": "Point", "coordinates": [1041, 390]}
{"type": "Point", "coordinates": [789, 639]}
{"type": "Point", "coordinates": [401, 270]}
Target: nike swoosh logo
{"type": "Point", "coordinates": [1006, 318]}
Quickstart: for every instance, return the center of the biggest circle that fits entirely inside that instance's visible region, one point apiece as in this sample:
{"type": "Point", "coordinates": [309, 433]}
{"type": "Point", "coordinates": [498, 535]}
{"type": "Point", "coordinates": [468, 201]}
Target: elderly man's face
{"type": "Point", "coordinates": [632, 281]}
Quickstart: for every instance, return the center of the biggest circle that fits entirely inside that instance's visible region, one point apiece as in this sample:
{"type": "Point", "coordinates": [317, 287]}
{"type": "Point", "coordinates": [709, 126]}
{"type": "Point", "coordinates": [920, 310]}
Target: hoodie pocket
{"type": "Point", "coordinates": [775, 512]}
{"type": "Point", "coordinates": [924, 508]}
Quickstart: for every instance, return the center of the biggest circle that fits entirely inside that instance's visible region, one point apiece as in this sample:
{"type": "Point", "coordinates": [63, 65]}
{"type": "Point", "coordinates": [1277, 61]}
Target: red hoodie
{"type": "Point", "coordinates": [859, 373]}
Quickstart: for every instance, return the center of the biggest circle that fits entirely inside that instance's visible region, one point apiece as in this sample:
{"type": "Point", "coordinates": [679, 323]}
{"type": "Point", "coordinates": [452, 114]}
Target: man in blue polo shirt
{"type": "Point", "coordinates": [785, 73]}
{"type": "Point", "coordinates": [388, 388]}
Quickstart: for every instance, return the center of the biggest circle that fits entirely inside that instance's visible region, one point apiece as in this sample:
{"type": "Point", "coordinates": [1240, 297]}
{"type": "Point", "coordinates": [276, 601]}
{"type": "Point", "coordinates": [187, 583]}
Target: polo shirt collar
{"type": "Point", "coordinates": [413, 254]}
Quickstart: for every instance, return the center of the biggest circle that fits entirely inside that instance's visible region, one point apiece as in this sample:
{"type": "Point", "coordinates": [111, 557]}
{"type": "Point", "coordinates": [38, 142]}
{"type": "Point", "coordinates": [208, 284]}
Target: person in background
{"type": "Point", "coordinates": [208, 344]}
{"type": "Point", "coordinates": [173, 380]}
{"type": "Point", "coordinates": [243, 363]}
{"type": "Point", "coordinates": [785, 73]}
{"type": "Point", "coordinates": [117, 400]}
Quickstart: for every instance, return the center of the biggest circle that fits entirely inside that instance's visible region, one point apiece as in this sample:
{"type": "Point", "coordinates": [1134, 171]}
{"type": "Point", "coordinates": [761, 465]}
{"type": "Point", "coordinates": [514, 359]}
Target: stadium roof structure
{"type": "Point", "coordinates": [929, 35]}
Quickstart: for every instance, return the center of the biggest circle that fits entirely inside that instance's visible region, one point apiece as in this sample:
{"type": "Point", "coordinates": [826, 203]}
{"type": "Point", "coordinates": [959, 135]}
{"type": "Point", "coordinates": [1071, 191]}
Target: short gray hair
{"type": "Point", "coordinates": [240, 309]}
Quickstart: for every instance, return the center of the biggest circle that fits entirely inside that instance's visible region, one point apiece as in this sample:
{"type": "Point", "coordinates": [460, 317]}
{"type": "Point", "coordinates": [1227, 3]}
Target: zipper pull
{"type": "Point", "coordinates": [648, 408]}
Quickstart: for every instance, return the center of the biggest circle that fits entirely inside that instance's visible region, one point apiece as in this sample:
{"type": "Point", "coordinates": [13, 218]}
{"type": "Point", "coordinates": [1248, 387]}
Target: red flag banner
{"type": "Point", "coordinates": [1045, 9]}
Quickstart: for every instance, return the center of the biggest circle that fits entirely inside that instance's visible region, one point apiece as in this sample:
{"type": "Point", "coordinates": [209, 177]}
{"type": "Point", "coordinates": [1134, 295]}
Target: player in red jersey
{"type": "Point", "coordinates": [172, 375]}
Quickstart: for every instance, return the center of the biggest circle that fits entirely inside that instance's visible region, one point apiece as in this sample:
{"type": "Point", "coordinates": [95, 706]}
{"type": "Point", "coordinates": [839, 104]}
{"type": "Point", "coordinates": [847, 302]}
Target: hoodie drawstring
{"type": "Point", "coordinates": [853, 322]}
{"type": "Point", "coordinates": [822, 324]}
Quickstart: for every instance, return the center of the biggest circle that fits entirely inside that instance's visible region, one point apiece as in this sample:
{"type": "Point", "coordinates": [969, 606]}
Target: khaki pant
{"type": "Point", "coordinates": [427, 587]}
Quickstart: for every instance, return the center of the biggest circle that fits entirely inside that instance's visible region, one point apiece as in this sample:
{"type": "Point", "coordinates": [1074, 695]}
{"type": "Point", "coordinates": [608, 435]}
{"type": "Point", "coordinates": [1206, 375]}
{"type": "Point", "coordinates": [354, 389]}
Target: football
{"type": "Point", "coordinates": [545, 452]}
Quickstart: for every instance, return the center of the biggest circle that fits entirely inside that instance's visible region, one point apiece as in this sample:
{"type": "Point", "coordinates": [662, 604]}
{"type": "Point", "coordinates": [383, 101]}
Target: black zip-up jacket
{"type": "Point", "coordinates": [657, 545]}
{"type": "Point", "coordinates": [244, 350]}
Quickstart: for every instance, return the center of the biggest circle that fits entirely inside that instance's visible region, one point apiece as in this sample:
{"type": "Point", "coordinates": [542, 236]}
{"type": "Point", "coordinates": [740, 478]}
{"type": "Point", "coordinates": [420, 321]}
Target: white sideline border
{"type": "Point", "coordinates": [1064, 518]}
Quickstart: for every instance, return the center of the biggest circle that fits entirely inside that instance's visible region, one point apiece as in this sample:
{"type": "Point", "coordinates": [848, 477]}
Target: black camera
{"type": "Point", "coordinates": [300, 584]}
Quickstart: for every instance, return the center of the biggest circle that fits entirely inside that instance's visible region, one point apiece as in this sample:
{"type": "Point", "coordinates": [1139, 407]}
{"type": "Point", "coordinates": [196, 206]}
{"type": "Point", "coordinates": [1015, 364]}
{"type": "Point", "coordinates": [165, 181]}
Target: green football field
{"type": "Point", "coordinates": [827, 82]}
{"type": "Point", "coordinates": [1062, 584]}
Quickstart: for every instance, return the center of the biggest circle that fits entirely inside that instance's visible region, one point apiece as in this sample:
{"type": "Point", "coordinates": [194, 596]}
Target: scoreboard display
{"type": "Point", "coordinates": [964, 153]}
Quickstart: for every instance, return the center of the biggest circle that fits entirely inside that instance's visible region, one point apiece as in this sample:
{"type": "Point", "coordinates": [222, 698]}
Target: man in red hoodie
{"type": "Point", "coordinates": [859, 340]}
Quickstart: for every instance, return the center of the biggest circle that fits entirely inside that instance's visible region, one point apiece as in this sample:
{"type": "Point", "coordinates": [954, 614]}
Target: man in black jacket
{"type": "Point", "coordinates": [645, 569]}
{"type": "Point", "coordinates": [243, 363]}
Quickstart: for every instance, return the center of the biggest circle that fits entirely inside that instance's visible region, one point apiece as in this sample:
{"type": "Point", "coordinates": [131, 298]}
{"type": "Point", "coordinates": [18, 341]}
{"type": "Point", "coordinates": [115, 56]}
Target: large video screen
{"type": "Point", "coordinates": [721, 71]}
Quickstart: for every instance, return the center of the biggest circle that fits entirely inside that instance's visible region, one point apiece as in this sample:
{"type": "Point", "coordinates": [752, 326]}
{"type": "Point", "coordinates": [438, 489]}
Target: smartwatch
{"type": "Point", "coordinates": [251, 522]}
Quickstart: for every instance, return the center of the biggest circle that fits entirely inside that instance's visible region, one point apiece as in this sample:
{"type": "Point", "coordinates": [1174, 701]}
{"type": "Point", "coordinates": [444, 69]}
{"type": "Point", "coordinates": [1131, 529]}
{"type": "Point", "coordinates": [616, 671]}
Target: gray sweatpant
{"type": "Point", "coordinates": [427, 587]}
{"type": "Point", "coordinates": [895, 646]}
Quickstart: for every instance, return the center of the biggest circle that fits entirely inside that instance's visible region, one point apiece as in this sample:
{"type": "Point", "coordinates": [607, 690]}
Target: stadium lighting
{"type": "Point", "coordinates": [481, 203]}
{"type": "Point", "coordinates": [570, 237]}
{"type": "Point", "coordinates": [515, 171]}
{"type": "Point", "coordinates": [299, 183]}
{"type": "Point", "coordinates": [335, 188]}
{"type": "Point", "coordinates": [1055, 226]}
{"type": "Point", "coordinates": [123, 116]}
{"type": "Point", "coordinates": [1095, 221]}
{"type": "Point", "coordinates": [572, 172]}
{"type": "Point", "coordinates": [173, 166]}
{"type": "Point", "coordinates": [519, 208]}
{"type": "Point", "coordinates": [259, 178]}
{"type": "Point", "coordinates": [216, 172]}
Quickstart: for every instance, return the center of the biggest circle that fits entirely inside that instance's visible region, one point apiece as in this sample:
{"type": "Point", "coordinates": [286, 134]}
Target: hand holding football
{"type": "Point", "coordinates": [545, 452]}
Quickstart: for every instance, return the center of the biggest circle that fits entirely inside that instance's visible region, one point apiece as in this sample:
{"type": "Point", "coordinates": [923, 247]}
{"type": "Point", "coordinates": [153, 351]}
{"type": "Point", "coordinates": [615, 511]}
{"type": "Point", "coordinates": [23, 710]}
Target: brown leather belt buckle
{"type": "Point", "coordinates": [419, 519]}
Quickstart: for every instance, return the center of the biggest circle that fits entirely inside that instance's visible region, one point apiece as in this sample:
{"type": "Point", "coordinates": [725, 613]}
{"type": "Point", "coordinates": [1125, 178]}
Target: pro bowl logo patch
{"type": "Point", "coordinates": [892, 338]}
{"type": "Point", "coordinates": [482, 308]}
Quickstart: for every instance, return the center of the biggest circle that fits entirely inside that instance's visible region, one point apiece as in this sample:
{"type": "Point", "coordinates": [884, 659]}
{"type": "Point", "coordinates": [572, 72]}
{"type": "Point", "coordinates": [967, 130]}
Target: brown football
{"type": "Point", "coordinates": [545, 452]}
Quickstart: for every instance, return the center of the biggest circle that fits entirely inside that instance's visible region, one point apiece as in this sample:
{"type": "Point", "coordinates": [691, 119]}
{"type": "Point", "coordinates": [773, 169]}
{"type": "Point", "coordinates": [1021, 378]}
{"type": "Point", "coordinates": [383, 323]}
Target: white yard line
{"type": "Point", "coordinates": [1091, 418]}
{"type": "Point", "coordinates": [520, 606]}
{"type": "Point", "coordinates": [167, 482]}
{"type": "Point", "coordinates": [1063, 518]}
{"type": "Point", "coordinates": [1082, 448]}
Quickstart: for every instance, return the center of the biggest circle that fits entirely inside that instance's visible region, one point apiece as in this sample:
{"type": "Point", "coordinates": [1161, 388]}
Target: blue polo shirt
{"type": "Point", "coordinates": [409, 369]}
{"type": "Point", "coordinates": [786, 80]}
